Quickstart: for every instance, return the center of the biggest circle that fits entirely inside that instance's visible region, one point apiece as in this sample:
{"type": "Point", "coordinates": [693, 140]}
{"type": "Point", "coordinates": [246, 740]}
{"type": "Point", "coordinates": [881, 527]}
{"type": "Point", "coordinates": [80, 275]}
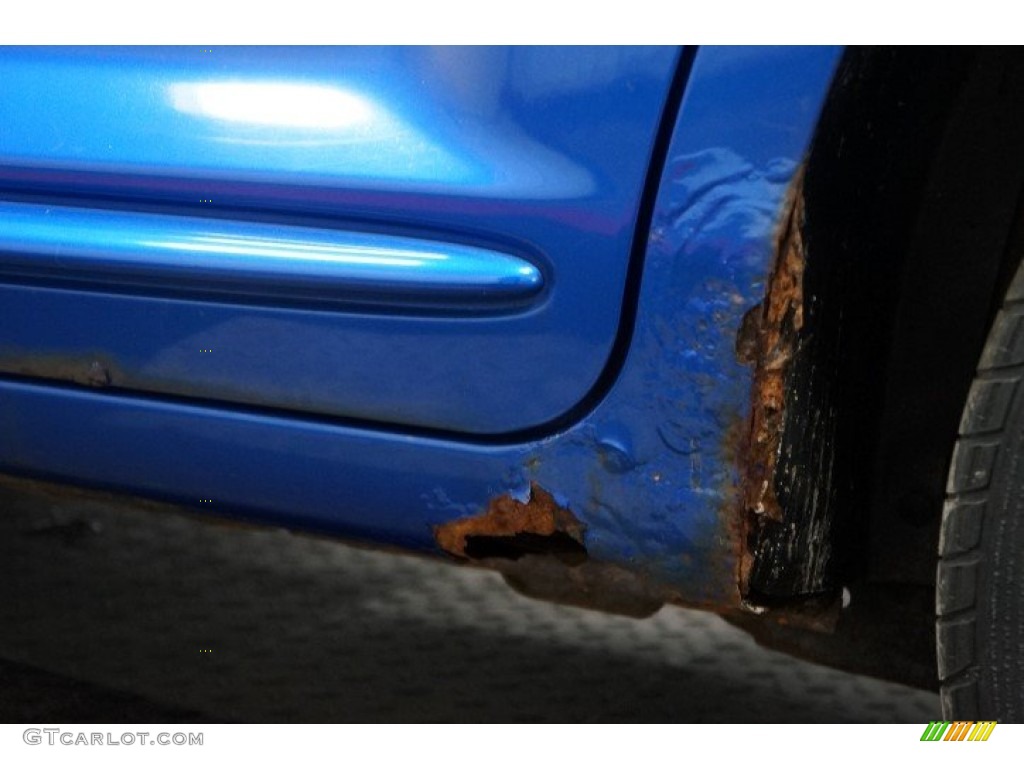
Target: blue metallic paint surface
{"type": "Point", "coordinates": [648, 471]}
{"type": "Point", "coordinates": [537, 153]}
{"type": "Point", "coordinates": [258, 262]}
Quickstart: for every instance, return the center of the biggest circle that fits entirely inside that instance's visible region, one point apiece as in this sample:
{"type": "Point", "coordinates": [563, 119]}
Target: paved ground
{"type": "Point", "coordinates": [112, 614]}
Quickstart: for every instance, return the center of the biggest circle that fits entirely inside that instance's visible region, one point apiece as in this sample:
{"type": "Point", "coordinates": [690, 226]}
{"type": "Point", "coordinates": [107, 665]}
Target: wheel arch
{"type": "Point", "coordinates": [908, 204]}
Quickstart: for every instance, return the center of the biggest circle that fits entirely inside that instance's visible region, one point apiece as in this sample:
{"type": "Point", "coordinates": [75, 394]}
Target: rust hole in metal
{"type": "Point", "coordinates": [561, 545]}
{"type": "Point", "coordinates": [509, 529]}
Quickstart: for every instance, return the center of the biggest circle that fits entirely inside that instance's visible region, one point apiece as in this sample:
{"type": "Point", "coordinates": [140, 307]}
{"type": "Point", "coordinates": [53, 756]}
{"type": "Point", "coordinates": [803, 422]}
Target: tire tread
{"type": "Point", "coordinates": [983, 424]}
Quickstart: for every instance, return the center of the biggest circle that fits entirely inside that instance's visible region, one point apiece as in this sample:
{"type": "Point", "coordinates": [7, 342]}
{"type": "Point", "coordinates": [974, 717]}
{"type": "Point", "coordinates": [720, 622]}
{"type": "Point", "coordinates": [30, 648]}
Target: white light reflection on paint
{"type": "Point", "coordinates": [334, 253]}
{"type": "Point", "coordinates": [342, 132]}
{"type": "Point", "coordinates": [277, 104]}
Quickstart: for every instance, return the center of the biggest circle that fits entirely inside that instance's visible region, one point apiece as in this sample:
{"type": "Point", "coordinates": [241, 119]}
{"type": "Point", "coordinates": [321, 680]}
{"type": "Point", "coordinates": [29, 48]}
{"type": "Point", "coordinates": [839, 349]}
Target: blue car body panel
{"type": "Point", "coordinates": [649, 469]}
{"type": "Point", "coordinates": [539, 154]}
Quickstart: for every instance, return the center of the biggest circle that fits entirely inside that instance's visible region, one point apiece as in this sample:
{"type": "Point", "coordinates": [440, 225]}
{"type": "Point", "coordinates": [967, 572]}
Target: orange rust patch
{"type": "Point", "coordinates": [508, 518]}
{"type": "Point", "coordinates": [768, 340]}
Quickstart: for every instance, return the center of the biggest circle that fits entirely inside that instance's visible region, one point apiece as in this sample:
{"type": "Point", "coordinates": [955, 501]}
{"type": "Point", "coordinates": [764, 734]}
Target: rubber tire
{"type": "Point", "coordinates": [980, 580]}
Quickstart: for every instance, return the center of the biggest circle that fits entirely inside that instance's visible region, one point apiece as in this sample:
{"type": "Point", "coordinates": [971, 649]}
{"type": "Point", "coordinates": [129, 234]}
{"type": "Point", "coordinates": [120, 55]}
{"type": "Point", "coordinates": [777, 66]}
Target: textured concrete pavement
{"type": "Point", "coordinates": [110, 613]}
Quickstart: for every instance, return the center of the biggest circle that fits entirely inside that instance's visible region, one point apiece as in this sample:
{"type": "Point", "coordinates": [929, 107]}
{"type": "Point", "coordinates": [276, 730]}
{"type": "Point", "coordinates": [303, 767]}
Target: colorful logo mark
{"type": "Point", "coordinates": [958, 731]}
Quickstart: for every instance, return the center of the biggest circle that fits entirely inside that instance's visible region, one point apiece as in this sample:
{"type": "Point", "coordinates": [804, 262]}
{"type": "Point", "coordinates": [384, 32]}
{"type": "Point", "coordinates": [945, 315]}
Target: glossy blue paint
{"type": "Point", "coordinates": [257, 262]}
{"type": "Point", "coordinates": [537, 153]}
{"type": "Point", "coordinates": [649, 470]}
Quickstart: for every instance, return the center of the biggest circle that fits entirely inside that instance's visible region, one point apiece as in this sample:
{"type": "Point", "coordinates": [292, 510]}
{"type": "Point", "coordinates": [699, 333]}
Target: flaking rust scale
{"type": "Point", "coordinates": [767, 339]}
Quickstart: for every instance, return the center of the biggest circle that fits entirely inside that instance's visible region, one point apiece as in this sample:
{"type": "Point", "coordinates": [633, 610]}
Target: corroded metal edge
{"type": "Point", "coordinates": [768, 341]}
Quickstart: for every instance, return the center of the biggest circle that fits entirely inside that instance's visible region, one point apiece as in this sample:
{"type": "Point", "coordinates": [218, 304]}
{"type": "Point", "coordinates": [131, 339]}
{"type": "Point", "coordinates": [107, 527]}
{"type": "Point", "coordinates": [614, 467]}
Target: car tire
{"type": "Point", "coordinates": [980, 578]}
